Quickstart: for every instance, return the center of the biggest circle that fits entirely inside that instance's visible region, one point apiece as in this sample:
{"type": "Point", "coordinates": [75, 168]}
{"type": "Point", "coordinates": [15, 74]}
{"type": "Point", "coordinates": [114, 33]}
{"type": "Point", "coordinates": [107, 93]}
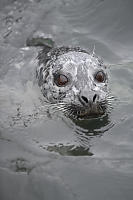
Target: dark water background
{"type": "Point", "coordinates": [44, 155]}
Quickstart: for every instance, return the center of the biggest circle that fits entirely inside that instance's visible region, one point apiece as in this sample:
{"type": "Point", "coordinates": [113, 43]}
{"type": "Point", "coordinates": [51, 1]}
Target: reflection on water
{"type": "Point", "coordinates": [84, 130]}
{"type": "Point", "coordinates": [94, 126]}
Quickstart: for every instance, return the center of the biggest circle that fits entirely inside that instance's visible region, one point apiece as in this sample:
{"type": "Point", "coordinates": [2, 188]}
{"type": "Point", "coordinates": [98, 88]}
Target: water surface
{"type": "Point", "coordinates": [43, 154]}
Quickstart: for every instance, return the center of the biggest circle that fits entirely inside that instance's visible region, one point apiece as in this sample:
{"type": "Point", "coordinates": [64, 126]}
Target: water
{"type": "Point", "coordinates": [44, 155]}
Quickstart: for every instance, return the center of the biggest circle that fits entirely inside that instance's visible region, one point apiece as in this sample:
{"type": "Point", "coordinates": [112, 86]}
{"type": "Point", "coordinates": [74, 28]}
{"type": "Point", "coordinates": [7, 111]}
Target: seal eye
{"type": "Point", "coordinates": [100, 77]}
{"type": "Point", "coordinates": [61, 80]}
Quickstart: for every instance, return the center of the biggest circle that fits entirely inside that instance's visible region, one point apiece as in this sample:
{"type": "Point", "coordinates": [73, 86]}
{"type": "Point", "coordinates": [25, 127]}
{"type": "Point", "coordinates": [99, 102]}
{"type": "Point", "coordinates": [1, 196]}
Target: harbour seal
{"type": "Point", "coordinates": [74, 79]}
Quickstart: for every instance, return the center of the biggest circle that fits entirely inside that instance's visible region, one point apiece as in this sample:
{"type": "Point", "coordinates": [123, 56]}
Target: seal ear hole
{"type": "Point", "coordinates": [100, 77]}
{"type": "Point", "coordinates": [60, 80]}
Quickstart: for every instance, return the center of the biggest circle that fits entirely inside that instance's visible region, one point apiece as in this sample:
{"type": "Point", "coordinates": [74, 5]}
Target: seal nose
{"type": "Point", "coordinates": [84, 100]}
{"type": "Point", "coordinates": [95, 97]}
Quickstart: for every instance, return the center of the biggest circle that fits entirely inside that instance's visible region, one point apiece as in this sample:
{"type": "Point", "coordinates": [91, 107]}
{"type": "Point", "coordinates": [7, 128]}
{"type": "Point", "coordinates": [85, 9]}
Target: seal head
{"type": "Point", "coordinates": [75, 79]}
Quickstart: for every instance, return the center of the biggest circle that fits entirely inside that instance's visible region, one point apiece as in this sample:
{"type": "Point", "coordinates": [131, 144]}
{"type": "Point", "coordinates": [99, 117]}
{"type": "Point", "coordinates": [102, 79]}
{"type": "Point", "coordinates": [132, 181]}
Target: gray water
{"type": "Point", "coordinates": [43, 154]}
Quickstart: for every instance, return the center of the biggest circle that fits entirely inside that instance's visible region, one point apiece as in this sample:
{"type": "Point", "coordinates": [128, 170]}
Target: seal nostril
{"type": "Point", "coordinates": [84, 99]}
{"type": "Point", "coordinates": [94, 98]}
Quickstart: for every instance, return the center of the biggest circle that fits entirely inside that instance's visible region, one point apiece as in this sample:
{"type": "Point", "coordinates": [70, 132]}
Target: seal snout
{"type": "Point", "coordinates": [90, 105]}
{"type": "Point", "coordinates": [85, 101]}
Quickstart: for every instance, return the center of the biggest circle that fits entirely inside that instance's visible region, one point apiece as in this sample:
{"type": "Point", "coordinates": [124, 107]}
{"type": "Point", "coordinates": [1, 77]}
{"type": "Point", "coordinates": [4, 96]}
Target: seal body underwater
{"type": "Point", "coordinates": [74, 79]}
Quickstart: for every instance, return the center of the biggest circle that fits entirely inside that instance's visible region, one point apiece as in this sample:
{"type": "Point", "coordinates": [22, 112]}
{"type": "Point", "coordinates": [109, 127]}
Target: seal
{"type": "Point", "coordinates": [74, 79]}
